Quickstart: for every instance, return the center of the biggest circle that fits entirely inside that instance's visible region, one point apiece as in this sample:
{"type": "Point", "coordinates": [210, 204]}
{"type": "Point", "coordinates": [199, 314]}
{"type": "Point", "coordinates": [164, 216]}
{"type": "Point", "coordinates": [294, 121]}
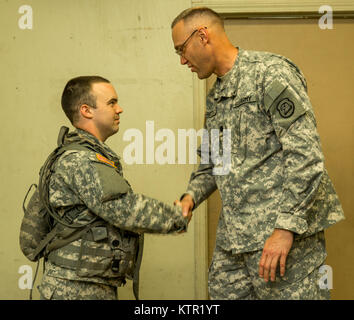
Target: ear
{"type": "Point", "coordinates": [85, 111]}
{"type": "Point", "coordinates": [203, 35]}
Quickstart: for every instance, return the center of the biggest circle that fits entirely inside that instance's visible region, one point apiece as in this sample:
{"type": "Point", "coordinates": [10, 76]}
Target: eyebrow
{"type": "Point", "coordinates": [112, 100]}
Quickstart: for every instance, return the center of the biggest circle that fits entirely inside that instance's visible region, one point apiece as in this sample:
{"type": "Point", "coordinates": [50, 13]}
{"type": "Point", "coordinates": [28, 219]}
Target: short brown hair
{"type": "Point", "coordinates": [78, 92]}
{"type": "Point", "coordinates": [190, 13]}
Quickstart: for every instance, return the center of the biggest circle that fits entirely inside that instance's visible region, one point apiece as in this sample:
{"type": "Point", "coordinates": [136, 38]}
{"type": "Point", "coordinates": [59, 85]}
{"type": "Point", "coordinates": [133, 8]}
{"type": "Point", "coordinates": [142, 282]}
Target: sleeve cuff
{"type": "Point", "coordinates": [181, 223]}
{"type": "Point", "coordinates": [291, 222]}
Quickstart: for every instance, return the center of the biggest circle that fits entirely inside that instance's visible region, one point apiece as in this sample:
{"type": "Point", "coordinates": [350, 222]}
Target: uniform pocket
{"type": "Point", "coordinates": [46, 288]}
{"type": "Point", "coordinates": [95, 259]}
{"type": "Point", "coordinates": [305, 255]}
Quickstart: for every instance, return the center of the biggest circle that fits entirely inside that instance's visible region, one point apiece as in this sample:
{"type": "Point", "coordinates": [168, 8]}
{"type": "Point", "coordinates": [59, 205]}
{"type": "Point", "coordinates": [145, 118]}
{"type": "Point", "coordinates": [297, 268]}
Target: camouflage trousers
{"type": "Point", "coordinates": [235, 276]}
{"type": "Point", "coordinates": [52, 288]}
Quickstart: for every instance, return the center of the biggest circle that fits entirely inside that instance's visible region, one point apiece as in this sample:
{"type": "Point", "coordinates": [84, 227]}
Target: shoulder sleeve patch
{"type": "Point", "coordinates": [105, 160]}
{"type": "Point", "coordinates": [283, 104]}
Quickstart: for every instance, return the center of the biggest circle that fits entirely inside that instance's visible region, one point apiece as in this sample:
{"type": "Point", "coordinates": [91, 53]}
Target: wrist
{"type": "Point", "coordinates": [283, 232]}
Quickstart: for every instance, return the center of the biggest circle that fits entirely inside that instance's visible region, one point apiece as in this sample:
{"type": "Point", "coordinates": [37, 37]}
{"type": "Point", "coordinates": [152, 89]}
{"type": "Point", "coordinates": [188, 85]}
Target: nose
{"type": "Point", "coordinates": [119, 109]}
{"type": "Point", "coordinates": [183, 60]}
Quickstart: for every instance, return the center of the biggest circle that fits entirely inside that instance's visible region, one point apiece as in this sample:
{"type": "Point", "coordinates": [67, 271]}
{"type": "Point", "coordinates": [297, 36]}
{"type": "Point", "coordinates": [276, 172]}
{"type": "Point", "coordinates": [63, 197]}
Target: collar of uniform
{"type": "Point", "coordinates": [92, 138]}
{"type": "Point", "coordinates": [88, 136]}
{"type": "Point", "coordinates": [226, 85]}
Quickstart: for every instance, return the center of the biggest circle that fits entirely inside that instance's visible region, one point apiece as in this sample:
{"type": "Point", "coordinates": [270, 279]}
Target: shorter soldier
{"type": "Point", "coordinates": [94, 239]}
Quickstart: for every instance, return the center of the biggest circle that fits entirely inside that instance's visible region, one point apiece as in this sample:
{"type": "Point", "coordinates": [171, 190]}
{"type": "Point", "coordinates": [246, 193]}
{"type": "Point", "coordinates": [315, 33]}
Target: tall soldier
{"type": "Point", "coordinates": [277, 197]}
{"type": "Point", "coordinates": [92, 237]}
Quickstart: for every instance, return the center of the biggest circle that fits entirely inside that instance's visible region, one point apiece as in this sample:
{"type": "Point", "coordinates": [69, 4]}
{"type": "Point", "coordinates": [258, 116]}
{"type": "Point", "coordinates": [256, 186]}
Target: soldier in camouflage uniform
{"type": "Point", "coordinates": [277, 197]}
{"type": "Point", "coordinates": [88, 184]}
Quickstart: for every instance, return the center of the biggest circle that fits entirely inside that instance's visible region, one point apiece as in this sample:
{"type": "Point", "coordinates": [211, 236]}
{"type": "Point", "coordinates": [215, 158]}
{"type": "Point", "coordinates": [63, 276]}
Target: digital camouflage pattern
{"type": "Point", "coordinates": [80, 179]}
{"type": "Point", "coordinates": [63, 289]}
{"type": "Point", "coordinates": [91, 184]}
{"type": "Point", "coordinates": [34, 227]}
{"type": "Point", "coordinates": [235, 276]}
{"type": "Point", "coordinates": [277, 177]}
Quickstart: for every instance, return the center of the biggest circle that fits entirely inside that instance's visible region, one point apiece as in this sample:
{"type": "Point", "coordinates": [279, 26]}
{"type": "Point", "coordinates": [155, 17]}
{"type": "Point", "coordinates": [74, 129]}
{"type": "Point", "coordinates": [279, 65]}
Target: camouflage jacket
{"type": "Point", "coordinates": [277, 177]}
{"type": "Point", "coordinates": [94, 180]}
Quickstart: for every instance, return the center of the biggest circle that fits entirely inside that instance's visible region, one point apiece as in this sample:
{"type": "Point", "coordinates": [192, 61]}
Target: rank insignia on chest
{"type": "Point", "coordinates": [105, 160]}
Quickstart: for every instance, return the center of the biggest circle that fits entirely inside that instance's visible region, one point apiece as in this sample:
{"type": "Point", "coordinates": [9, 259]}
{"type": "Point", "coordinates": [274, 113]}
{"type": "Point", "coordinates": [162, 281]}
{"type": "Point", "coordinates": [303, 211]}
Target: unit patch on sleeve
{"type": "Point", "coordinates": [105, 160]}
{"type": "Point", "coordinates": [286, 108]}
{"type": "Point", "coordinates": [283, 104]}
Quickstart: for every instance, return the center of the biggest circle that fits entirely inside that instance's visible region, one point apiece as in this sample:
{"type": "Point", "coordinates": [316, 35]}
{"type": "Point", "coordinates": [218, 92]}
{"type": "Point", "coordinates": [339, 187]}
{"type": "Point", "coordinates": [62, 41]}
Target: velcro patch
{"type": "Point", "coordinates": [286, 108]}
{"type": "Point", "coordinates": [284, 104]}
{"type": "Point", "coordinates": [105, 160]}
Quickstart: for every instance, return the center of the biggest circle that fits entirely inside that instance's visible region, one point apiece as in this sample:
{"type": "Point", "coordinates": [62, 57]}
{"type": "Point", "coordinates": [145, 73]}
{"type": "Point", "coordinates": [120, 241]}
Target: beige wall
{"type": "Point", "coordinates": [128, 42]}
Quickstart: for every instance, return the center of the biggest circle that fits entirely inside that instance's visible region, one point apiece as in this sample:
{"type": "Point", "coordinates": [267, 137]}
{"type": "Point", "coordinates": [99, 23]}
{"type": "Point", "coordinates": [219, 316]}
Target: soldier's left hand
{"type": "Point", "coordinates": [187, 207]}
{"type": "Point", "coordinates": [276, 248]}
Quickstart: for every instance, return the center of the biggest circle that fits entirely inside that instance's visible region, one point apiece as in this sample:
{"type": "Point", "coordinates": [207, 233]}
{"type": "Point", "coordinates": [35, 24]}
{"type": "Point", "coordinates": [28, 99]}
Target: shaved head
{"type": "Point", "coordinates": [199, 15]}
{"type": "Point", "coordinates": [200, 40]}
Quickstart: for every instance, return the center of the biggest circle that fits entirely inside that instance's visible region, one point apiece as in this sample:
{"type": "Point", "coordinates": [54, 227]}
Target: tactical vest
{"type": "Point", "coordinates": [93, 248]}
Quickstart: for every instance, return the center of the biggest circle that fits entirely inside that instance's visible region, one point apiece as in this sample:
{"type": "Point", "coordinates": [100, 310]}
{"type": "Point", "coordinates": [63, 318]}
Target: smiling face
{"type": "Point", "coordinates": [106, 115]}
{"type": "Point", "coordinates": [192, 45]}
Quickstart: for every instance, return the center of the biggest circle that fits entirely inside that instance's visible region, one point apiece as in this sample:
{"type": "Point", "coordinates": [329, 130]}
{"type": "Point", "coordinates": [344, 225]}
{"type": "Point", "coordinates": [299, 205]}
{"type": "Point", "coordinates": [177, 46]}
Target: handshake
{"type": "Point", "coordinates": [187, 205]}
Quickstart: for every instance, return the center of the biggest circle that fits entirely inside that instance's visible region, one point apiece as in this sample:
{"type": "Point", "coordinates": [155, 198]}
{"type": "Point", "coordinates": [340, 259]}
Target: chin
{"type": "Point", "coordinates": [113, 132]}
{"type": "Point", "coordinates": [204, 76]}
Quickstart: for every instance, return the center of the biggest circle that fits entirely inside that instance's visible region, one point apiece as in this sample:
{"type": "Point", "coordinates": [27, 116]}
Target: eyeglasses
{"type": "Point", "coordinates": [181, 48]}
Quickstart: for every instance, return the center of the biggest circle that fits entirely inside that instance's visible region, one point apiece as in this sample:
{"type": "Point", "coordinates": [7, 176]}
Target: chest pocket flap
{"type": "Point", "coordinates": [112, 183]}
